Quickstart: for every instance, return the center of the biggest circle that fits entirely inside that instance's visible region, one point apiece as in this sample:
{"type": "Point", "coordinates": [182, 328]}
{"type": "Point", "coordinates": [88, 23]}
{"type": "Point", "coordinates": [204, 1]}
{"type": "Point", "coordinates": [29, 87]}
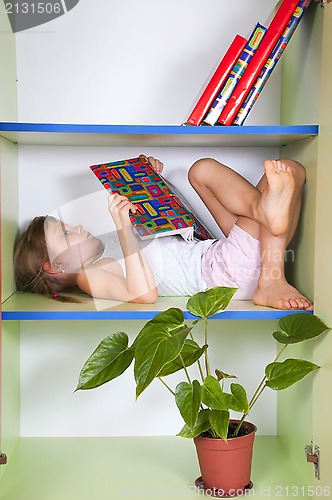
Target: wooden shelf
{"type": "Point", "coordinates": [28, 307]}
{"type": "Point", "coordinates": [136, 467]}
{"type": "Point", "coordinates": [153, 135]}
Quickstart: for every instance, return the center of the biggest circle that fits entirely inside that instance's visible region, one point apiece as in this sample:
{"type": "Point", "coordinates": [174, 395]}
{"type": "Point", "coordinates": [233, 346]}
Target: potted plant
{"type": "Point", "coordinates": [166, 345]}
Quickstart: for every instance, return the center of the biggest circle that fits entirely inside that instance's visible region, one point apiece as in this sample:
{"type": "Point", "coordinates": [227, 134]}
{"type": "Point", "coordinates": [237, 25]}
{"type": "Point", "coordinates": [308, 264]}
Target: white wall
{"type": "Point", "coordinates": [58, 180]}
{"type": "Point", "coordinates": [53, 352]}
{"type": "Point", "coordinates": [136, 62]}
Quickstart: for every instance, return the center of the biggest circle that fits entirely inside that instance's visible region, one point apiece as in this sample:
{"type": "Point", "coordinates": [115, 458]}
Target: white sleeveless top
{"type": "Point", "coordinates": [176, 263]}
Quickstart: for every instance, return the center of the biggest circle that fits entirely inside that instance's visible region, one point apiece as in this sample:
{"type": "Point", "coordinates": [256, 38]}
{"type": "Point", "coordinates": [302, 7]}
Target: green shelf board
{"type": "Point", "coordinates": [120, 468]}
{"type": "Point", "coordinates": [32, 307]}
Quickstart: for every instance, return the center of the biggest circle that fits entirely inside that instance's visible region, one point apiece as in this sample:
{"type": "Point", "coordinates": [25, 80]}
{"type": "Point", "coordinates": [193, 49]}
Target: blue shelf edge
{"type": "Point", "coordinates": [138, 315]}
{"type": "Point", "coordinates": [157, 129]}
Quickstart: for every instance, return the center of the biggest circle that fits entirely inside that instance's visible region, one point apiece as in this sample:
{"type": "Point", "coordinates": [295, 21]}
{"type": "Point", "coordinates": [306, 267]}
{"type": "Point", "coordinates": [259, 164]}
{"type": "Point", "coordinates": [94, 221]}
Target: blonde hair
{"type": "Point", "coordinates": [30, 256]}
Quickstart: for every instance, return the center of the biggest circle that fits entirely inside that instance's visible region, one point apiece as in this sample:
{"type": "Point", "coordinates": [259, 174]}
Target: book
{"type": "Point", "coordinates": [217, 80]}
{"type": "Point", "coordinates": [275, 29]}
{"type": "Point", "coordinates": [271, 63]}
{"type": "Point", "coordinates": [161, 210]}
{"type": "Point", "coordinates": [235, 74]}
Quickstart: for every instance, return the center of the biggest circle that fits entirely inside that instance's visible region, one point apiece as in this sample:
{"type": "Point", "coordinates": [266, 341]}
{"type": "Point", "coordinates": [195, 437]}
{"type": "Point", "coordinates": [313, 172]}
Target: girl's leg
{"type": "Point", "coordinates": [219, 186]}
{"type": "Point", "coordinates": [226, 194]}
{"type": "Point", "coordinates": [273, 288]}
{"type": "Point", "coordinates": [230, 199]}
{"type": "Point", "coordinates": [299, 176]}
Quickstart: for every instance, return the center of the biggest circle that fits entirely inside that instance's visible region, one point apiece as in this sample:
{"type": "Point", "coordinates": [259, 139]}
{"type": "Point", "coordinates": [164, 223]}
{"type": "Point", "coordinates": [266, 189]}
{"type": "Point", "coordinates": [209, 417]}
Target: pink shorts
{"type": "Point", "coordinates": [233, 261]}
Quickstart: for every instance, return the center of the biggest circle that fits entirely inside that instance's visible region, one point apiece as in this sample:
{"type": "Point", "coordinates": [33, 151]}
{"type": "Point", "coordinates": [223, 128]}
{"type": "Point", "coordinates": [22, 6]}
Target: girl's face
{"type": "Point", "coordinates": [70, 248]}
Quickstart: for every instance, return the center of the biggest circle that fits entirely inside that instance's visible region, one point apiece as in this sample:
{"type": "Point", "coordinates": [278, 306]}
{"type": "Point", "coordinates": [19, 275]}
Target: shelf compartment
{"type": "Point", "coordinates": [25, 307]}
{"type": "Point", "coordinates": [28, 307]}
{"type": "Point", "coordinates": [153, 135]}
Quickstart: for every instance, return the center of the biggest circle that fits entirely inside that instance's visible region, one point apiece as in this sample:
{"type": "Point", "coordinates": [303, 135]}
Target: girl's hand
{"type": "Point", "coordinates": [119, 207]}
{"type": "Point", "coordinates": [155, 164]}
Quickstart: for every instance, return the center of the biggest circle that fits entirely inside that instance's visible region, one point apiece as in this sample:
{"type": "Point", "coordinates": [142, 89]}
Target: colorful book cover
{"type": "Point", "coordinates": [160, 212]}
{"type": "Point", "coordinates": [276, 28]}
{"type": "Point", "coordinates": [217, 80]}
{"type": "Point", "coordinates": [271, 63]}
{"type": "Point", "coordinates": [235, 74]}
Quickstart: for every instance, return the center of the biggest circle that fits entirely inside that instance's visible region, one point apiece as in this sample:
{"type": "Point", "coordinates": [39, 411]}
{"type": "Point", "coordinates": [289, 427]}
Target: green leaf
{"type": "Point", "coordinates": [190, 353]}
{"type": "Point", "coordinates": [222, 375]}
{"type": "Point", "coordinates": [219, 420]}
{"type": "Point", "coordinates": [155, 349]}
{"type": "Point", "coordinates": [296, 328]}
{"type": "Point", "coordinates": [109, 360]}
{"type": "Point", "coordinates": [202, 425]}
{"type": "Point", "coordinates": [240, 400]}
{"type": "Point", "coordinates": [212, 301]}
{"type": "Point", "coordinates": [281, 375]}
{"type": "Point", "coordinates": [168, 321]}
{"type": "Point", "coordinates": [212, 394]}
{"type": "Point", "coordinates": [159, 342]}
{"type": "Point", "coordinates": [188, 400]}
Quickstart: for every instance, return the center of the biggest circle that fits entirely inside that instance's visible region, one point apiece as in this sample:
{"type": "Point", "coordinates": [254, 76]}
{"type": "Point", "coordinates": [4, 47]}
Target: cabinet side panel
{"type": "Point", "coordinates": [323, 270]}
{"type": "Point", "coordinates": [8, 95]}
{"type": "Point", "coordinates": [10, 392]}
{"type": "Point", "coordinates": [301, 66]}
{"type": "Point", "coordinates": [9, 213]}
{"type": "Point", "coordinates": [295, 404]}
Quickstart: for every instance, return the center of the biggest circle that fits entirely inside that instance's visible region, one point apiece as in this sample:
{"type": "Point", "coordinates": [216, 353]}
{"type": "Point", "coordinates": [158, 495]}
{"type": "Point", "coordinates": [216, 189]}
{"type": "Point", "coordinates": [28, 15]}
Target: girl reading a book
{"type": "Point", "coordinates": [258, 223]}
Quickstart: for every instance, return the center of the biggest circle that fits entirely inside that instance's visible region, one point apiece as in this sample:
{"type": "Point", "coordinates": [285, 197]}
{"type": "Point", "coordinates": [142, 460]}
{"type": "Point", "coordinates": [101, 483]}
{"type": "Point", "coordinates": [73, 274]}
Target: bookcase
{"type": "Point", "coordinates": [61, 445]}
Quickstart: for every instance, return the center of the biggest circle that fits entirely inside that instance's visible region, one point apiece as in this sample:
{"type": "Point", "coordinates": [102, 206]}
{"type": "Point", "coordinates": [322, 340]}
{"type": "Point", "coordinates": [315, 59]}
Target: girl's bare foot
{"type": "Point", "coordinates": [274, 204]}
{"type": "Point", "coordinates": [281, 295]}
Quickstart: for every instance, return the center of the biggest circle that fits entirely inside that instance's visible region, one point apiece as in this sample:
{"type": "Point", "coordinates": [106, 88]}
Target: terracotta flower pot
{"type": "Point", "coordinates": [226, 467]}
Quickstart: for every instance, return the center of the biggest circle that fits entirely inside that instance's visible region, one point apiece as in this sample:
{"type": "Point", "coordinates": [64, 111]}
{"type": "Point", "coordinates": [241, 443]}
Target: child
{"type": "Point", "coordinates": [258, 222]}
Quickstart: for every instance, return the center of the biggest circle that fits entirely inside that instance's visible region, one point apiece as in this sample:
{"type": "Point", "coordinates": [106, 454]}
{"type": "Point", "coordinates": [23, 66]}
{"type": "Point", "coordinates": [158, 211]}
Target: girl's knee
{"type": "Point", "coordinates": [202, 169]}
{"type": "Point", "coordinates": [197, 169]}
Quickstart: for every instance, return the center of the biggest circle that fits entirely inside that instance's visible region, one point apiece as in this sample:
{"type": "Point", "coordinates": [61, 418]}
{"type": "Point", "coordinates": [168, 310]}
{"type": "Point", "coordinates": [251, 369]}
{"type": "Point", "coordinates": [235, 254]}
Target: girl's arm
{"type": "Point", "coordinates": [139, 276]}
{"type": "Point", "coordinates": [107, 281]}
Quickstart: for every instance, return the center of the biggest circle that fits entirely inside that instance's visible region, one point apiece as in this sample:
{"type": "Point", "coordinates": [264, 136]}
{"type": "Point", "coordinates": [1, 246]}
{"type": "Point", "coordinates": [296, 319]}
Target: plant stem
{"type": "Point", "coordinates": [259, 389]}
{"type": "Point", "coordinates": [253, 400]}
{"type": "Point", "coordinates": [257, 393]}
{"type": "Point", "coordinates": [238, 427]}
{"type": "Point", "coordinates": [207, 364]}
{"type": "Point", "coordinates": [185, 368]}
{"type": "Point", "coordinates": [198, 361]}
{"type": "Point", "coordinates": [280, 352]}
{"type": "Point", "coordinates": [213, 433]}
{"type": "Point", "coordinates": [167, 386]}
